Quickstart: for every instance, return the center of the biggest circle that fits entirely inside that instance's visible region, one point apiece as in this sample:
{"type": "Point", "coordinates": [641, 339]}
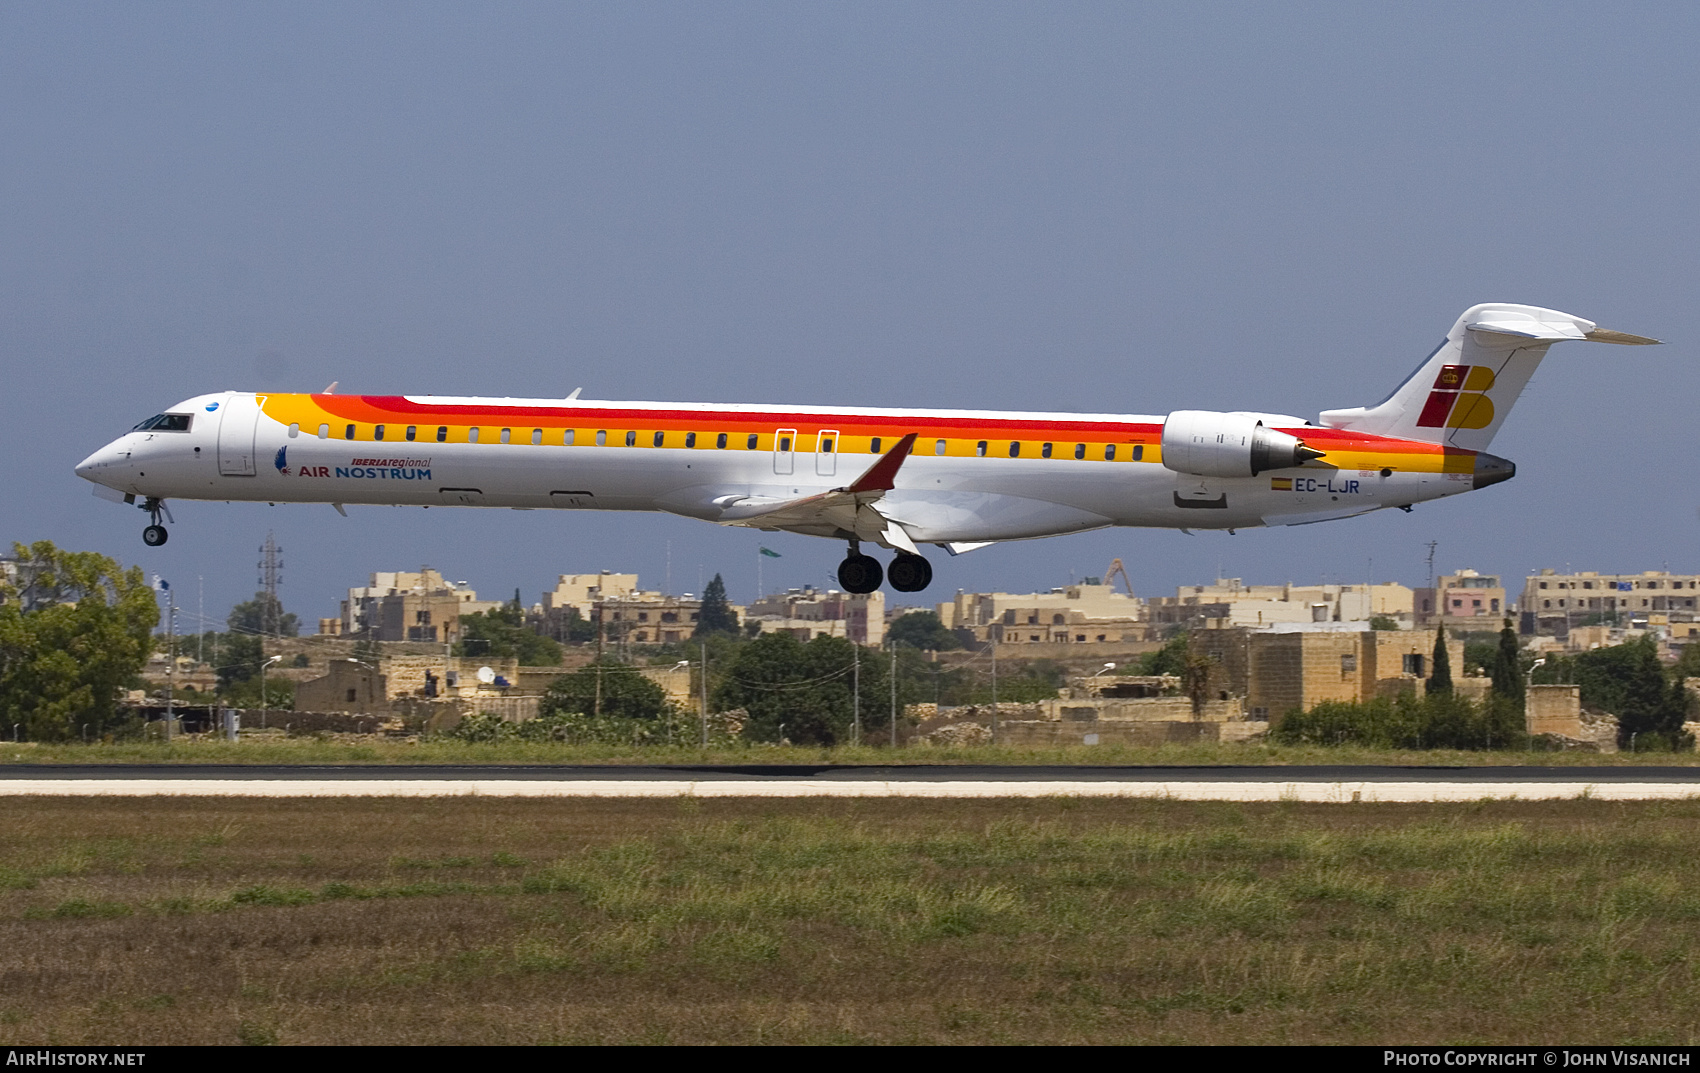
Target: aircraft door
{"type": "Point", "coordinates": [236, 429]}
{"type": "Point", "coordinates": [826, 453]}
{"type": "Point", "coordinates": [785, 451]}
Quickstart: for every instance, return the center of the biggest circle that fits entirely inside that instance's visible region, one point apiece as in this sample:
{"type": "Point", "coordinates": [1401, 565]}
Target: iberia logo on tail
{"type": "Point", "coordinates": [1459, 398]}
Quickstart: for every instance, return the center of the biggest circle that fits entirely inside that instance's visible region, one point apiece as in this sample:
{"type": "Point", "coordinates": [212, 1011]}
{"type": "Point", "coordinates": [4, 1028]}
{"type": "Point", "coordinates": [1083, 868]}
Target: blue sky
{"type": "Point", "coordinates": [1133, 208]}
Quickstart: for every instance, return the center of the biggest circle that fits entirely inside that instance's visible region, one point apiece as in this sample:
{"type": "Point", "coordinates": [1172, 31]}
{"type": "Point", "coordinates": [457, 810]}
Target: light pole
{"type": "Point", "coordinates": [1101, 670]}
{"type": "Point", "coordinates": [263, 705]}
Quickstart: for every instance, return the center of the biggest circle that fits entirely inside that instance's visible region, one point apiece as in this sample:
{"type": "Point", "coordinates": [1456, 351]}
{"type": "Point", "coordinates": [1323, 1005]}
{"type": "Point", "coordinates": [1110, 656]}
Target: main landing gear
{"type": "Point", "coordinates": [154, 535]}
{"type": "Point", "coordinates": [860, 573]}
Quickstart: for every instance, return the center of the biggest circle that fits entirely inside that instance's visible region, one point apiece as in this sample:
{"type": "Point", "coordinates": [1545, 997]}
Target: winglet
{"type": "Point", "coordinates": [882, 475]}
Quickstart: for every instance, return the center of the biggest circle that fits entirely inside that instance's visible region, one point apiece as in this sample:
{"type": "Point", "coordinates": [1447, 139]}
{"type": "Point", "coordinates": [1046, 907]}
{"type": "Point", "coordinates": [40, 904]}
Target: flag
{"type": "Point", "coordinates": [770, 553]}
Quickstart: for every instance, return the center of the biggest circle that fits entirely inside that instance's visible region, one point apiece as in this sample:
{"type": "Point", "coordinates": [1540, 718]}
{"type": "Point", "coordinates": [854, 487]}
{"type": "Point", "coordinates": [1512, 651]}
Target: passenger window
{"type": "Point", "coordinates": [752, 441]}
{"type": "Point", "coordinates": [378, 432]}
{"type": "Point", "coordinates": [941, 446]}
{"type": "Point", "coordinates": [294, 429]}
{"type": "Point", "coordinates": [507, 435]}
{"type": "Point", "coordinates": [874, 446]}
{"type": "Point", "coordinates": [348, 433]}
{"type": "Point", "coordinates": [412, 432]}
{"type": "Point", "coordinates": [631, 439]}
{"type": "Point", "coordinates": [1045, 451]}
{"type": "Point", "coordinates": [1080, 450]}
{"type": "Point", "coordinates": [567, 437]}
{"type": "Point", "coordinates": [826, 446]}
{"type": "Point", "coordinates": [472, 434]}
{"type": "Point", "coordinates": [1109, 452]}
{"type": "Point", "coordinates": [784, 443]}
{"type": "Point", "coordinates": [1138, 451]}
{"type": "Point", "coordinates": [1014, 449]}
{"type": "Point", "coordinates": [720, 440]}
{"type": "Point", "coordinates": [980, 449]}
{"type": "Point", "coordinates": [536, 435]}
{"type": "Point", "coordinates": [324, 432]}
{"type": "Point", "coordinates": [690, 439]}
{"type": "Point", "coordinates": [601, 437]}
{"type": "Point", "coordinates": [660, 439]}
{"type": "Point", "coordinates": [442, 433]}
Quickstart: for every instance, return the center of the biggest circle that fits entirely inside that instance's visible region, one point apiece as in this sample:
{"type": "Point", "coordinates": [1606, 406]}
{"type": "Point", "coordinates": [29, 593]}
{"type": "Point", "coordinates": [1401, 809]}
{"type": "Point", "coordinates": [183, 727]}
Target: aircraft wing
{"type": "Point", "coordinates": [851, 509]}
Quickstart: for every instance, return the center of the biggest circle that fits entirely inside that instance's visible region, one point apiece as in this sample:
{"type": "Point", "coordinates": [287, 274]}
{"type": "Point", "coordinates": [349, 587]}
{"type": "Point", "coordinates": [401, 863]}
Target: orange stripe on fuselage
{"type": "Point", "coordinates": [1343, 449]}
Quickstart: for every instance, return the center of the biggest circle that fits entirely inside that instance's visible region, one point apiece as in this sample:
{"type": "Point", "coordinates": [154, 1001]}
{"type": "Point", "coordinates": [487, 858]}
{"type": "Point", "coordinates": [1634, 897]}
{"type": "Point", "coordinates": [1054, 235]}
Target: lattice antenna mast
{"type": "Point", "coordinates": [271, 576]}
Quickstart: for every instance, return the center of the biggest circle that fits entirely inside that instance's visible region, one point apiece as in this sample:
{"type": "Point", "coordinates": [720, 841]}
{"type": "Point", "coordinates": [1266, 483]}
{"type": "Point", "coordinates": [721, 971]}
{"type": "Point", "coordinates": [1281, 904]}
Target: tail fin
{"type": "Point", "coordinates": [1461, 394]}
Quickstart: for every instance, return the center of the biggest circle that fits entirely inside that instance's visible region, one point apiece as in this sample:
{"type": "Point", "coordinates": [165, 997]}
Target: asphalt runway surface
{"type": "Point", "coordinates": [1343, 783]}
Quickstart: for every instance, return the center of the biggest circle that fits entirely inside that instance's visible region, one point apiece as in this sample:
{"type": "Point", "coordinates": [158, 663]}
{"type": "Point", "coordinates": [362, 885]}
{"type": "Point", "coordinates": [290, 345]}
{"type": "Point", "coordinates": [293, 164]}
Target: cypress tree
{"type": "Point", "coordinates": [716, 615]}
{"type": "Point", "coordinates": [1508, 666]}
{"type": "Point", "coordinates": [1441, 680]}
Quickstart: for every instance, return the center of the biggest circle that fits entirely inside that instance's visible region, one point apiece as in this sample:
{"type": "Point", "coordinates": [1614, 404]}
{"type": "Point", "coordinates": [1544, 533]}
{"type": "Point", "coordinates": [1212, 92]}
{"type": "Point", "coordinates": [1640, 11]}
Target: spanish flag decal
{"type": "Point", "coordinates": [1281, 484]}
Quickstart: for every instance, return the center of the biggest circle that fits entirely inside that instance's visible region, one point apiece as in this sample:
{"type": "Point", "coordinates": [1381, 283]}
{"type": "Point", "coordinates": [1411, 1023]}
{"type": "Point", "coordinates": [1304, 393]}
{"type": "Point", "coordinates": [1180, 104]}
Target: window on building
{"type": "Point", "coordinates": [1414, 665]}
{"type": "Point", "coordinates": [352, 694]}
{"type": "Point", "coordinates": [1349, 663]}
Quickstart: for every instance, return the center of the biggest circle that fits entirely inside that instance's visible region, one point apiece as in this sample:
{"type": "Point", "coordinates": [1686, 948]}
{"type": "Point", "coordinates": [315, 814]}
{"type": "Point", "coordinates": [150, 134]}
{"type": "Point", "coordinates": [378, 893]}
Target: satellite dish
{"type": "Point", "coordinates": [486, 675]}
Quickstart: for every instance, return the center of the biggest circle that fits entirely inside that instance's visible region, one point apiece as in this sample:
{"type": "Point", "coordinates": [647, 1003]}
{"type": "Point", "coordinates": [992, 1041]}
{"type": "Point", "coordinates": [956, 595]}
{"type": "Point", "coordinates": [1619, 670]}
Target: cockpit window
{"type": "Point", "coordinates": [165, 423]}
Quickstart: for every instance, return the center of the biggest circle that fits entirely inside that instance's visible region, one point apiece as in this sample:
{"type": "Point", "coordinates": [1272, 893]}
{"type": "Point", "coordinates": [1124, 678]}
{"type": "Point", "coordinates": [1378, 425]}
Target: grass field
{"type": "Point", "coordinates": [795, 921]}
{"type": "Point", "coordinates": [351, 749]}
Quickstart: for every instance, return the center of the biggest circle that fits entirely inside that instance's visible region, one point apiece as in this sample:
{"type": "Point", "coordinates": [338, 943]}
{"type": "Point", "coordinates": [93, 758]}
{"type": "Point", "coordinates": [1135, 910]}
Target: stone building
{"type": "Point", "coordinates": [1088, 613]}
{"type": "Point", "coordinates": [1231, 602]}
{"type": "Point", "coordinates": [1553, 604]}
{"type": "Point", "coordinates": [1463, 601]}
{"type": "Point", "coordinates": [808, 612]}
{"type": "Point", "coordinates": [1298, 665]}
{"type": "Point", "coordinates": [410, 606]}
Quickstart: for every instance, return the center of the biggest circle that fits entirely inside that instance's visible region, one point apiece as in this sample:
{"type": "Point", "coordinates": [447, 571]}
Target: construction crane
{"type": "Point", "coordinates": [1115, 568]}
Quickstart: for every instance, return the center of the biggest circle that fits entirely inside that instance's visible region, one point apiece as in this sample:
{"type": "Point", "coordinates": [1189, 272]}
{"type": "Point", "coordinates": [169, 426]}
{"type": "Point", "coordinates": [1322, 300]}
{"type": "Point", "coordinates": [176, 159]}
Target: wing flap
{"type": "Point", "coordinates": [850, 508]}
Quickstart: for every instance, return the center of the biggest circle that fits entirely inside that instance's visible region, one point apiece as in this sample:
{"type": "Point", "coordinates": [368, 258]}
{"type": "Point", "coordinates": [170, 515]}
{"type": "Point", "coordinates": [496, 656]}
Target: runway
{"type": "Point", "coordinates": [1337, 784]}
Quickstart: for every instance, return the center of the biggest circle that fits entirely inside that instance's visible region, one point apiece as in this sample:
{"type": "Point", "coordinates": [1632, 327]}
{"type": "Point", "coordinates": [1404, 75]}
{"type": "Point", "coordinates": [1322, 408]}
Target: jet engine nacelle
{"type": "Point", "coordinates": [1212, 444]}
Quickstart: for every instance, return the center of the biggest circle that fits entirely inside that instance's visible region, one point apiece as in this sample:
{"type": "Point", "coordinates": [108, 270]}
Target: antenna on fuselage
{"type": "Point", "coordinates": [574, 395]}
{"type": "Point", "coordinates": [330, 389]}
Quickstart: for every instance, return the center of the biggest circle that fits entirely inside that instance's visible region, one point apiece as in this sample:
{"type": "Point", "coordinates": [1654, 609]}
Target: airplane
{"type": "Point", "coordinates": [896, 478]}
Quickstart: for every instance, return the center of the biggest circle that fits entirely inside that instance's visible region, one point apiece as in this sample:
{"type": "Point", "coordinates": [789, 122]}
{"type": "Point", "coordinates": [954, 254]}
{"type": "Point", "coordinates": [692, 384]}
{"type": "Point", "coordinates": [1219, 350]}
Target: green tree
{"type": "Point", "coordinates": [617, 689]}
{"type": "Point", "coordinates": [806, 687]}
{"type": "Point", "coordinates": [503, 634]}
{"type": "Point", "coordinates": [1440, 678]}
{"type": "Point", "coordinates": [1508, 666]}
{"type": "Point", "coordinates": [76, 630]}
{"type": "Point", "coordinates": [1629, 682]}
{"type": "Point", "coordinates": [716, 615]}
{"type": "Point", "coordinates": [263, 614]}
{"type": "Point", "coordinates": [923, 630]}
{"type": "Point", "coordinates": [1170, 659]}
{"type": "Point", "coordinates": [1383, 622]}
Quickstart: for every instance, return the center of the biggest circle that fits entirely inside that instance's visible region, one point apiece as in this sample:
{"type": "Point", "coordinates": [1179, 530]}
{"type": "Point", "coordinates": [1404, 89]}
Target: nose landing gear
{"type": "Point", "coordinates": [154, 535]}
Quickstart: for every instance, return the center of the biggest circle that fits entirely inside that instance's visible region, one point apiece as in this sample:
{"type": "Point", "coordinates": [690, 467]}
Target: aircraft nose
{"type": "Point", "coordinates": [96, 465]}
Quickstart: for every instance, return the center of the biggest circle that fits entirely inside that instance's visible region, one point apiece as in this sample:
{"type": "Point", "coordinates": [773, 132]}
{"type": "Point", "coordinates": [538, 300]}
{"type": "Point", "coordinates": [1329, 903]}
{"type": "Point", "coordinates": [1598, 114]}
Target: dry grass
{"type": "Point", "coordinates": [792, 921]}
{"type": "Point", "coordinates": [376, 750]}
